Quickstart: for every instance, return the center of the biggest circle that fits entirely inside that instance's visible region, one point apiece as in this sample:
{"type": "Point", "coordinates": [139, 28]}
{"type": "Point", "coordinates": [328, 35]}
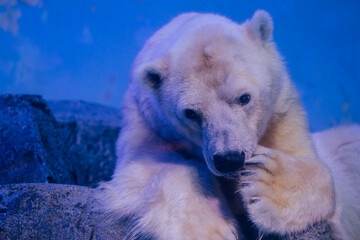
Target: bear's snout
{"type": "Point", "coordinates": [229, 161]}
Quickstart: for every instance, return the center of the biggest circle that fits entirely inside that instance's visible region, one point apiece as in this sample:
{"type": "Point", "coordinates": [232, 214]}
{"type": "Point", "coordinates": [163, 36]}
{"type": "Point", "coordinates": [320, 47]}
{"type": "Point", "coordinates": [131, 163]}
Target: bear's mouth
{"type": "Point", "coordinates": [229, 161]}
{"type": "Point", "coordinates": [229, 167]}
{"type": "Point", "coordinates": [226, 164]}
{"type": "Point", "coordinates": [230, 174]}
{"type": "Point", "coordinates": [218, 168]}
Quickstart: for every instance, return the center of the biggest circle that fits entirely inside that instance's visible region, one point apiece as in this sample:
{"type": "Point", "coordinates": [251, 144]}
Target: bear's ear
{"type": "Point", "coordinates": [151, 75]}
{"type": "Point", "coordinates": [262, 25]}
{"type": "Point", "coordinates": [152, 78]}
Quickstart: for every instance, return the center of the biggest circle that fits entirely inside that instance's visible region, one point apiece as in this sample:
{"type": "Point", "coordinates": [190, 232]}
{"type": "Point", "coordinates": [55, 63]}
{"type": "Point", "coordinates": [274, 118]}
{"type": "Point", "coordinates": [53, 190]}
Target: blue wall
{"type": "Point", "coordinates": [83, 49]}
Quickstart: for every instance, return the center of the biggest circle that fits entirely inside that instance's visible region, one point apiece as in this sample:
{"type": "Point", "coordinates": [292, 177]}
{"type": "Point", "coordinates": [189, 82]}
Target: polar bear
{"type": "Point", "coordinates": [210, 109]}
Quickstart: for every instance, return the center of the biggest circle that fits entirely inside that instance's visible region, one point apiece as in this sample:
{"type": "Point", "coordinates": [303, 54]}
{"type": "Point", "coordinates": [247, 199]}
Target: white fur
{"type": "Point", "coordinates": [165, 179]}
{"type": "Point", "coordinates": [339, 148]}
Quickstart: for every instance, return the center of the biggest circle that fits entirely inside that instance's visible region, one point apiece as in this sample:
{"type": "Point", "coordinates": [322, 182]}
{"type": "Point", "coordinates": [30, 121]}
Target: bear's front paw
{"type": "Point", "coordinates": [284, 193]}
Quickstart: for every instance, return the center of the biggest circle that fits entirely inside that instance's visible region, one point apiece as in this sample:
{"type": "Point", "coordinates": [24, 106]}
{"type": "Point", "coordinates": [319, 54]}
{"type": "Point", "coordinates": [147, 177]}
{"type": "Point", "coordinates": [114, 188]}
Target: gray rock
{"type": "Point", "coordinates": [53, 211]}
{"type": "Point", "coordinates": [318, 231]}
{"type": "Point", "coordinates": [89, 132]}
{"type": "Point", "coordinates": [56, 211]}
{"type": "Point", "coordinates": [30, 147]}
{"type": "Point", "coordinates": [91, 114]}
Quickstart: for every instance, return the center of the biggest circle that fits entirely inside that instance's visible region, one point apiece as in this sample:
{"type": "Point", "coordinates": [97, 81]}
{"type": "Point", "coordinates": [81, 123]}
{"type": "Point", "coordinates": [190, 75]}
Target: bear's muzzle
{"type": "Point", "coordinates": [230, 161]}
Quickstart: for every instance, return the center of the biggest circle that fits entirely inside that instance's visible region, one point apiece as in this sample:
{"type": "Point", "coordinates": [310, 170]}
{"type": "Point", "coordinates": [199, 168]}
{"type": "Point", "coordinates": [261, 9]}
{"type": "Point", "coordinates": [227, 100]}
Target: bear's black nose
{"type": "Point", "coordinates": [229, 161]}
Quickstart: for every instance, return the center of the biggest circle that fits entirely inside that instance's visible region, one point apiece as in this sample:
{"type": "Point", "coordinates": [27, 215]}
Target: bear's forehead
{"type": "Point", "coordinates": [211, 53]}
{"type": "Point", "coordinates": [216, 59]}
{"type": "Point", "coordinates": [214, 65]}
{"type": "Point", "coordinates": [204, 59]}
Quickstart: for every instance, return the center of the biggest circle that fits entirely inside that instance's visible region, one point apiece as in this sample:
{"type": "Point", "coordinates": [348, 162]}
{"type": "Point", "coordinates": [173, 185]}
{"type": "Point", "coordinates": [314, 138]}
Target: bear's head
{"type": "Point", "coordinates": [205, 79]}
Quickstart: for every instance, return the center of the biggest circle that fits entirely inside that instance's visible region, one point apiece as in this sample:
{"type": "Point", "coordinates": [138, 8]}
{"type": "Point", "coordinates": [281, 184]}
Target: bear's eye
{"type": "Point", "coordinates": [244, 99]}
{"type": "Point", "coordinates": [191, 114]}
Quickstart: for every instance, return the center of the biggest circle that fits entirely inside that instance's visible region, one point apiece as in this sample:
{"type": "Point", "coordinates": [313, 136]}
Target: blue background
{"type": "Point", "coordinates": [83, 49]}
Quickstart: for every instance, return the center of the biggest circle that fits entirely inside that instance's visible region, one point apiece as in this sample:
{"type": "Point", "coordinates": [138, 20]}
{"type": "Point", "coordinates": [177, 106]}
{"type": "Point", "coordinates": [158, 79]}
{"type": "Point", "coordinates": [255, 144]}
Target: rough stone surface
{"type": "Point", "coordinates": [30, 147]}
{"type": "Point", "coordinates": [89, 132]}
{"type": "Point", "coordinates": [56, 211]}
{"type": "Point", "coordinates": [52, 211]}
{"type": "Point", "coordinates": [319, 231]}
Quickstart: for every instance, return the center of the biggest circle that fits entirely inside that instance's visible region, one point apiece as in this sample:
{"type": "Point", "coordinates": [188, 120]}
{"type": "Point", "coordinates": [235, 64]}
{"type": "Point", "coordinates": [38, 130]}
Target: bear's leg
{"type": "Point", "coordinates": [285, 186]}
{"type": "Point", "coordinates": [284, 193]}
{"type": "Point", "coordinates": [169, 201]}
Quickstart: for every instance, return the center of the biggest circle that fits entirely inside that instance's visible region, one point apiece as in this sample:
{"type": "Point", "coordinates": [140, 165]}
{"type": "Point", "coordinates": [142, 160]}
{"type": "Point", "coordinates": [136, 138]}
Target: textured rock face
{"type": "Point", "coordinates": [30, 146]}
{"type": "Point", "coordinates": [76, 148]}
{"type": "Point", "coordinates": [89, 132]}
{"type": "Point", "coordinates": [319, 231]}
{"type": "Point", "coordinates": [56, 211]}
{"type": "Point", "coordinates": [52, 211]}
